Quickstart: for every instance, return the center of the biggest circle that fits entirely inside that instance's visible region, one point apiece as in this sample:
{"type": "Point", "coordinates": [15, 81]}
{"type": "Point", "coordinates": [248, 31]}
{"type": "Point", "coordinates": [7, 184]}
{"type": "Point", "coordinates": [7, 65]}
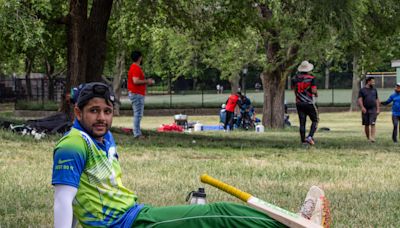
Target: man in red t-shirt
{"type": "Point", "coordinates": [230, 110]}
{"type": "Point", "coordinates": [137, 90]}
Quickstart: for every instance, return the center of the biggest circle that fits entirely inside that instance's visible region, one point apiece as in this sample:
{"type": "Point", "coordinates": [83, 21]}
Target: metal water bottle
{"type": "Point", "coordinates": [197, 197]}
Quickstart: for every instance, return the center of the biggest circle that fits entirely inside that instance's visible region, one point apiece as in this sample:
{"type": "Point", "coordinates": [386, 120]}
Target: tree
{"type": "Point", "coordinates": [285, 27]}
{"type": "Point", "coordinates": [22, 32]}
{"type": "Point", "coordinates": [86, 39]}
{"type": "Point", "coordinates": [365, 36]}
{"type": "Point", "coordinates": [231, 54]}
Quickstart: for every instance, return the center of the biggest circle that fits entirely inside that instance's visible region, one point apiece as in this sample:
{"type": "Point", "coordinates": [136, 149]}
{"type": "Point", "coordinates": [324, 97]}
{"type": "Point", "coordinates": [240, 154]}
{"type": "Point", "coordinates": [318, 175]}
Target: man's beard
{"type": "Point", "coordinates": [91, 132]}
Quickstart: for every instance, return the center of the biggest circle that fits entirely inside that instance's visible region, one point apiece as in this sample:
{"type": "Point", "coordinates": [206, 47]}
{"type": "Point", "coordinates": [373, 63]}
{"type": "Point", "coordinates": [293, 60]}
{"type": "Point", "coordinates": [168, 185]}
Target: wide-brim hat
{"type": "Point", "coordinates": [305, 66]}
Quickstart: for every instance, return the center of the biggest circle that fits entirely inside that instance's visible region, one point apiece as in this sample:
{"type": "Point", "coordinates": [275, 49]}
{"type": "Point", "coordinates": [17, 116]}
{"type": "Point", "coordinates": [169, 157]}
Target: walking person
{"type": "Point", "coordinates": [369, 103]}
{"type": "Point", "coordinates": [395, 98]}
{"type": "Point", "coordinates": [87, 179]}
{"type": "Point", "coordinates": [137, 90]}
{"type": "Point", "coordinates": [231, 103]}
{"type": "Point", "coordinates": [305, 90]}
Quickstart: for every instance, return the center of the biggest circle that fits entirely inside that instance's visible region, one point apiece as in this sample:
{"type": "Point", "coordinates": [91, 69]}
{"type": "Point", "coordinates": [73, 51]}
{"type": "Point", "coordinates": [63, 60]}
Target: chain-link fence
{"type": "Point", "coordinates": [46, 94]}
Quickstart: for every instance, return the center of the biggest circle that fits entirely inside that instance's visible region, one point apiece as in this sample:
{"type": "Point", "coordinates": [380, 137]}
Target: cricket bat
{"type": "Point", "coordinates": [285, 217]}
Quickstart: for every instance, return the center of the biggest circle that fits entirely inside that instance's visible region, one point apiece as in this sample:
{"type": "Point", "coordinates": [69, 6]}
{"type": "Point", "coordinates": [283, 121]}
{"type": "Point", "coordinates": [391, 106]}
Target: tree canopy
{"type": "Point", "coordinates": [90, 39]}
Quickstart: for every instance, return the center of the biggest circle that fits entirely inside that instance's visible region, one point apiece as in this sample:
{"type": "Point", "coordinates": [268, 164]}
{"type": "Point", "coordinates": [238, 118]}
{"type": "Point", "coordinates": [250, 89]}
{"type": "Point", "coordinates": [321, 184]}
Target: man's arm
{"type": "Point", "coordinates": [314, 91]}
{"type": "Point", "coordinates": [360, 103]}
{"type": "Point", "coordinates": [314, 87]}
{"type": "Point", "coordinates": [388, 101]}
{"type": "Point", "coordinates": [63, 197]}
{"type": "Point", "coordinates": [138, 81]}
{"type": "Point", "coordinates": [378, 108]}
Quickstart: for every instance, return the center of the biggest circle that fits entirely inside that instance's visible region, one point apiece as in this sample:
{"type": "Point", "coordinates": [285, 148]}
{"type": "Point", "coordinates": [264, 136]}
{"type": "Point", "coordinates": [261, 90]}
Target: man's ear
{"type": "Point", "coordinates": [77, 112]}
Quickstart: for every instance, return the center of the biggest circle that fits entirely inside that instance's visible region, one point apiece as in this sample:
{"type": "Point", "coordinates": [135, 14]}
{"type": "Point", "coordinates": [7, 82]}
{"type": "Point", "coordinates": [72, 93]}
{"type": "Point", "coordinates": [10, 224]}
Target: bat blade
{"type": "Point", "coordinates": [288, 218]}
{"type": "Point", "coordinates": [283, 216]}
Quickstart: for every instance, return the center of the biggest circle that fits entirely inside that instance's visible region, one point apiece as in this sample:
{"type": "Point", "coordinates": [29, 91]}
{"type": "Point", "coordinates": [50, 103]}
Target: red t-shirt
{"type": "Point", "coordinates": [231, 103]}
{"type": "Point", "coordinates": [136, 72]}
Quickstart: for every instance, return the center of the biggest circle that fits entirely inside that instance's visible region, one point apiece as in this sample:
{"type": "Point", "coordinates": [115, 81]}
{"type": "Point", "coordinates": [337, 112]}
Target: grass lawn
{"type": "Point", "coordinates": [360, 178]}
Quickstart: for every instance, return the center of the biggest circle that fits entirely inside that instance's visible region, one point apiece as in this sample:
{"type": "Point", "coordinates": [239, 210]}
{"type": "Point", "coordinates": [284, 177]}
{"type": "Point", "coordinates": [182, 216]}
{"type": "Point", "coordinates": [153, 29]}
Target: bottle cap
{"type": "Point", "coordinates": [200, 193]}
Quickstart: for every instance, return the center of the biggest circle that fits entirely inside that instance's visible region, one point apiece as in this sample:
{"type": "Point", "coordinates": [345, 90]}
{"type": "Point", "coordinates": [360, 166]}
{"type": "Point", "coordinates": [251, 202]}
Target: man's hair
{"type": "Point", "coordinates": [92, 90]}
{"type": "Point", "coordinates": [135, 55]}
{"type": "Point", "coordinates": [369, 79]}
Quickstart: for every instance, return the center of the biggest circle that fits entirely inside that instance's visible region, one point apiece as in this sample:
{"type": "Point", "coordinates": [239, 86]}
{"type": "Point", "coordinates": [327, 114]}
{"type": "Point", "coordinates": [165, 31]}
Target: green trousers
{"type": "Point", "coordinates": [209, 215]}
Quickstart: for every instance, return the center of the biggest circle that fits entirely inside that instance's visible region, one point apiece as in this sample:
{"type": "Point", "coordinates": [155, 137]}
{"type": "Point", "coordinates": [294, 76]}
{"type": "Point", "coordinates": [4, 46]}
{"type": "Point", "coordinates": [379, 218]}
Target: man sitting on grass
{"type": "Point", "coordinates": [88, 185]}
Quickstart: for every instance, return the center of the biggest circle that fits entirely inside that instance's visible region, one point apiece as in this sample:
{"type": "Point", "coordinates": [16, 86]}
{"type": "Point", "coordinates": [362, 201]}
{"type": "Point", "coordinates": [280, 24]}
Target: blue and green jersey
{"type": "Point", "coordinates": [93, 168]}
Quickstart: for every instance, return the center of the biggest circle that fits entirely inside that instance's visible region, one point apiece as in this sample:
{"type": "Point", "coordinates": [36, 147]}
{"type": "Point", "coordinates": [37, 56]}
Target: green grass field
{"type": "Point", "coordinates": [361, 179]}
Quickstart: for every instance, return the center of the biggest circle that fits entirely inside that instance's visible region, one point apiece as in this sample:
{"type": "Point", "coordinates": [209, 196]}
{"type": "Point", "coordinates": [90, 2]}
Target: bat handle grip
{"type": "Point", "coordinates": [225, 187]}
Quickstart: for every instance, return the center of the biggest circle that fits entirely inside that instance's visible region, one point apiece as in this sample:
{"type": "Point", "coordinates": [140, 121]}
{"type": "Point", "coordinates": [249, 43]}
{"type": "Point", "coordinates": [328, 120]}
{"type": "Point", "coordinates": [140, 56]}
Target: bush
{"type": "Point", "coordinates": [36, 105]}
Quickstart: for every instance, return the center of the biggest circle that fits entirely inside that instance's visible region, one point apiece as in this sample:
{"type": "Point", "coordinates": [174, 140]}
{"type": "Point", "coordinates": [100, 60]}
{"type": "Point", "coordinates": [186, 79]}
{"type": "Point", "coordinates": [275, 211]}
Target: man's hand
{"type": "Point", "coordinates": [378, 111]}
{"type": "Point", "coordinates": [363, 110]}
{"type": "Point", "coordinates": [150, 81]}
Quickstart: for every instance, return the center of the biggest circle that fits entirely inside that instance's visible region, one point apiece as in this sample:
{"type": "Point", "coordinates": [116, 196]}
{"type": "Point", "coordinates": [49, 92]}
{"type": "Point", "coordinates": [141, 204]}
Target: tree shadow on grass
{"type": "Point", "coordinates": [250, 141]}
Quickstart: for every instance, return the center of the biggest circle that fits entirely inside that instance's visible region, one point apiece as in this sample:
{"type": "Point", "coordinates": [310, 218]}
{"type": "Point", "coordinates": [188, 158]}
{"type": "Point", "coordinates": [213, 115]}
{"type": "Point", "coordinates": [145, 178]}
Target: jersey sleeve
{"type": "Point", "coordinates": [134, 72]}
{"type": "Point", "coordinates": [313, 83]}
{"type": "Point", "coordinates": [68, 166]}
{"type": "Point", "coordinates": [294, 83]}
{"type": "Point", "coordinates": [360, 94]}
{"type": "Point", "coordinates": [389, 100]}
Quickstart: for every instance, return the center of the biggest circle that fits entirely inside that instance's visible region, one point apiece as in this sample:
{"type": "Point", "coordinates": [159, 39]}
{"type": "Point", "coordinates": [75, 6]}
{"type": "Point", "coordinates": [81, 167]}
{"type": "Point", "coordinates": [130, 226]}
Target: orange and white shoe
{"type": "Point", "coordinates": [310, 140]}
{"type": "Point", "coordinates": [316, 207]}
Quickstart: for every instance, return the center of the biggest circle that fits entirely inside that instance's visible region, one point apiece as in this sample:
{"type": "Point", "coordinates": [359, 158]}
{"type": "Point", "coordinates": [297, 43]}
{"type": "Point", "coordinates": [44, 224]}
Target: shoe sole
{"type": "Point", "coordinates": [321, 214]}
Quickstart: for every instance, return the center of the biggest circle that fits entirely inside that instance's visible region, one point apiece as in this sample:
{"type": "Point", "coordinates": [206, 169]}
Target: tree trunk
{"type": "Point", "coordinates": [86, 42]}
{"type": "Point", "coordinates": [97, 40]}
{"type": "Point", "coordinates": [289, 82]}
{"type": "Point", "coordinates": [274, 79]}
{"type": "Point", "coordinates": [169, 84]}
{"type": "Point", "coordinates": [117, 82]}
{"type": "Point", "coordinates": [327, 72]}
{"type": "Point", "coordinates": [28, 70]}
{"type": "Point", "coordinates": [274, 96]}
{"type": "Point", "coordinates": [77, 48]}
{"type": "Point", "coordinates": [49, 75]}
{"type": "Point", "coordinates": [234, 81]}
{"type": "Point", "coordinates": [356, 84]}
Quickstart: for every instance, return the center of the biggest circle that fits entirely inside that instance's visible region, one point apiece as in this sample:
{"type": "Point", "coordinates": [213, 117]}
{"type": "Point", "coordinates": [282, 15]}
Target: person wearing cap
{"type": "Point", "coordinates": [137, 91]}
{"type": "Point", "coordinates": [88, 184]}
{"type": "Point", "coordinates": [369, 103]}
{"type": "Point", "coordinates": [395, 98]}
{"type": "Point", "coordinates": [305, 89]}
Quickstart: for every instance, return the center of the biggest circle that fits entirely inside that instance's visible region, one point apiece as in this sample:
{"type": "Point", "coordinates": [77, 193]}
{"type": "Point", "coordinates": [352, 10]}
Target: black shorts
{"type": "Point", "coordinates": [368, 118]}
{"type": "Point", "coordinates": [304, 110]}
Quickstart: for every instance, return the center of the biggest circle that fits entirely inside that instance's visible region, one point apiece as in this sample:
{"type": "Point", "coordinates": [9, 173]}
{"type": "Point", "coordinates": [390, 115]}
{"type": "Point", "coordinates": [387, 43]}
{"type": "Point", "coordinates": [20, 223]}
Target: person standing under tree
{"type": "Point", "coordinates": [305, 90]}
{"type": "Point", "coordinates": [137, 91]}
{"type": "Point", "coordinates": [395, 98]}
{"type": "Point", "coordinates": [369, 103]}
